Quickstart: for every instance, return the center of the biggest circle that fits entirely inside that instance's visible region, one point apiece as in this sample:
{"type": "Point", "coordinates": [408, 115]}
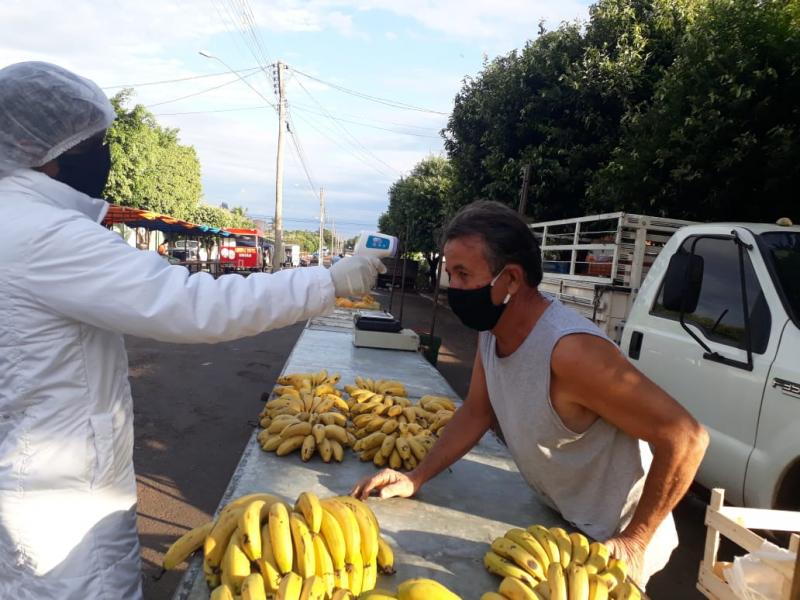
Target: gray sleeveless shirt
{"type": "Point", "coordinates": [594, 479]}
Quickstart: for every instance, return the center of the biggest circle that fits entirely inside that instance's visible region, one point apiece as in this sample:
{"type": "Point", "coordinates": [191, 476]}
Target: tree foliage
{"type": "Point", "coordinates": [418, 205]}
{"type": "Point", "coordinates": [679, 107]}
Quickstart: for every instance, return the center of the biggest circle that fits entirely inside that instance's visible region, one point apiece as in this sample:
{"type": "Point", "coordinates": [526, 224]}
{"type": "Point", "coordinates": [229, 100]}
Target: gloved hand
{"type": "Point", "coordinates": [355, 275]}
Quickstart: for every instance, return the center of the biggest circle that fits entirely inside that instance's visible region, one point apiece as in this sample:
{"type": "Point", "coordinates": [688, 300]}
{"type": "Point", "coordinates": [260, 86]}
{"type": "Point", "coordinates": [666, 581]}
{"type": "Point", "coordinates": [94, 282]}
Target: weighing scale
{"type": "Point", "coordinates": [379, 329]}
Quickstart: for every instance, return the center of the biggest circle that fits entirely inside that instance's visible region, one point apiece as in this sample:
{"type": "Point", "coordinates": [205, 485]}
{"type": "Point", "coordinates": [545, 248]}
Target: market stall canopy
{"type": "Point", "coordinates": [146, 219]}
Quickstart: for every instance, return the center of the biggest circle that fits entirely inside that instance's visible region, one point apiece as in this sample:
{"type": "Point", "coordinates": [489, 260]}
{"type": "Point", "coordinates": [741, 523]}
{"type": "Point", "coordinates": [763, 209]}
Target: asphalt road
{"type": "Point", "coordinates": [195, 408]}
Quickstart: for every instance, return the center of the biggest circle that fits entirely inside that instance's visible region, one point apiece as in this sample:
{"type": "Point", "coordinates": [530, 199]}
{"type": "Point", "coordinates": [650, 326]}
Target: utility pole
{"type": "Point", "coordinates": [321, 224]}
{"type": "Point", "coordinates": [334, 249]}
{"type": "Point", "coordinates": [279, 256]}
{"type": "Point", "coordinates": [523, 194]}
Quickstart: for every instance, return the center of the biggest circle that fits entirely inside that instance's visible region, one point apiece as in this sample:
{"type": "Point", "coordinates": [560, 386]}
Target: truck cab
{"type": "Point", "coordinates": [716, 324]}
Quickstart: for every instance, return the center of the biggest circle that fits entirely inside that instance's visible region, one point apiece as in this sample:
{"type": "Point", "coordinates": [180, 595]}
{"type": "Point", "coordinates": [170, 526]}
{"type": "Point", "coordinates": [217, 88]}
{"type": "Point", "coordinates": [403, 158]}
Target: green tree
{"type": "Point", "coordinates": [559, 104]}
{"type": "Point", "coordinates": [417, 208]}
{"type": "Point", "coordinates": [150, 168]}
{"type": "Point", "coordinates": [721, 137]}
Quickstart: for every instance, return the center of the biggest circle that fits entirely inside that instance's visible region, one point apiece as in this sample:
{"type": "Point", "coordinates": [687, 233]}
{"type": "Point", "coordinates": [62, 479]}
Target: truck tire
{"type": "Point", "coordinates": [788, 496]}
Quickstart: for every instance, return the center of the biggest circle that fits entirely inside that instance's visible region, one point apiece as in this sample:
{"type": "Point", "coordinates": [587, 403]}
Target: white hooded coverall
{"type": "Point", "coordinates": [71, 288]}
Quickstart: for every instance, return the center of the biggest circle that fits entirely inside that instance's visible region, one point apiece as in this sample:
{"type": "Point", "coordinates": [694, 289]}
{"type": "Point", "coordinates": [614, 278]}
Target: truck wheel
{"type": "Point", "coordinates": [788, 497]}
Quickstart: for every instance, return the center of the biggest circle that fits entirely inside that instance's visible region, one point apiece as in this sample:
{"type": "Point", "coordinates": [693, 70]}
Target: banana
{"type": "Point", "coordinates": [387, 446]}
{"type": "Point", "coordinates": [598, 557]}
{"type": "Point", "coordinates": [368, 532]}
{"type": "Point", "coordinates": [368, 455]}
{"type": "Point", "coordinates": [186, 545]}
{"type": "Point", "coordinates": [223, 592]}
{"type": "Point", "coordinates": [389, 426]}
{"type": "Point", "coordinates": [342, 594]}
{"type": "Point", "coordinates": [514, 589]}
{"type": "Point", "coordinates": [336, 432]}
{"type": "Point", "coordinates": [379, 460]}
{"type": "Point", "coordinates": [337, 449]}
{"type": "Point", "coordinates": [333, 418]}
{"type": "Point", "coordinates": [556, 581]}
{"type": "Point", "coordinates": [341, 579]}
{"type": "Point", "coordinates": [326, 450]}
{"type": "Point", "coordinates": [580, 547]}
{"type": "Point", "coordinates": [626, 591]}
{"type": "Point", "coordinates": [530, 544]}
{"type": "Point", "coordinates": [373, 440]}
{"type": "Point", "coordinates": [250, 528]}
{"type": "Point", "coordinates": [323, 563]}
{"type": "Point", "coordinates": [542, 590]}
{"type": "Point", "coordinates": [355, 574]}
{"type": "Point", "coordinates": [217, 541]}
{"type": "Point", "coordinates": [211, 575]}
{"type": "Point", "coordinates": [508, 549]}
{"type": "Point", "coordinates": [350, 530]}
{"type": "Point", "coordinates": [290, 444]}
{"type": "Point", "coordinates": [332, 533]}
{"type": "Point", "coordinates": [266, 564]}
{"type": "Point", "coordinates": [417, 449]}
{"type": "Point", "coordinates": [290, 587]}
{"type": "Point", "coordinates": [395, 461]}
{"type": "Point", "coordinates": [394, 411]}
{"type": "Point", "coordinates": [313, 588]}
{"type": "Point", "coordinates": [403, 448]}
{"type": "Point", "coordinates": [498, 565]}
{"type": "Point", "coordinates": [577, 582]}
{"type": "Point", "coordinates": [424, 589]}
{"type": "Point", "coordinates": [279, 424]}
{"type": "Point", "coordinates": [309, 506]}
{"type": "Point", "coordinates": [564, 545]}
{"type": "Point", "coordinates": [305, 560]}
{"type": "Point", "coordinates": [253, 587]}
{"type": "Point", "coordinates": [272, 444]}
{"type": "Point", "coordinates": [308, 448]}
{"type": "Point", "coordinates": [318, 431]}
{"type": "Point", "coordinates": [598, 589]}
{"type": "Point", "coordinates": [385, 557]}
{"type": "Point", "coordinates": [235, 564]}
{"type": "Point", "coordinates": [377, 594]}
{"type": "Point", "coordinates": [370, 577]}
{"type": "Point", "coordinates": [619, 565]}
{"type": "Point", "coordinates": [280, 535]}
{"type": "Point", "coordinates": [300, 428]}
{"type": "Point", "coordinates": [324, 388]}
{"type": "Point", "coordinates": [548, 542]}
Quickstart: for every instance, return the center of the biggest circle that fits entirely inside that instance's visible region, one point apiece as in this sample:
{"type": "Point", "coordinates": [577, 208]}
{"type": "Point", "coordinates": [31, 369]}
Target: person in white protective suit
{"type": "Point", "coordinates": [71, 289]}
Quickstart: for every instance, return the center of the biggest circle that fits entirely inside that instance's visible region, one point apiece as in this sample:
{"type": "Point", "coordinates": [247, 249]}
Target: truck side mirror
{"type": "Point", "coordinates": [682, 282]}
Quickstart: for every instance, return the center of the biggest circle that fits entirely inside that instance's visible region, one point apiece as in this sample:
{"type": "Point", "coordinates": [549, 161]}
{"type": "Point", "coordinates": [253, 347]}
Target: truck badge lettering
{"type": "Point", "coordinates": [790, 388]}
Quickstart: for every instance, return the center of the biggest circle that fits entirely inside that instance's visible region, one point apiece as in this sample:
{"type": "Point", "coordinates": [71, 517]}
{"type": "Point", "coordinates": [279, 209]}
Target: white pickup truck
{"type": "Point", "coordinates": [711, 313]}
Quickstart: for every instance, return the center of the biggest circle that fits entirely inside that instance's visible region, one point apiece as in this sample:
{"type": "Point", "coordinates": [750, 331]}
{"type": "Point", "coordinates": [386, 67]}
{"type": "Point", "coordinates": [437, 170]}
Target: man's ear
{"type": "Point", "coordinates": [516, 278]}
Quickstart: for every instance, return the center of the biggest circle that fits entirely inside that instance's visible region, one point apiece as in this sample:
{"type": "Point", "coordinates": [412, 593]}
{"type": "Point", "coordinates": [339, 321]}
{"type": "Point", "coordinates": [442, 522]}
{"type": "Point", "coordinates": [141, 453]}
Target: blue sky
{"type": "Point", "coordinates": [416, 52]}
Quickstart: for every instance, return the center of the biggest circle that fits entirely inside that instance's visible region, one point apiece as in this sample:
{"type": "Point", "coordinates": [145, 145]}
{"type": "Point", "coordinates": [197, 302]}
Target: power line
{"type": "Point", "coordinates": [346, 131]}
{"type": "Point", "coordinates": [211, 89]}
{"type": "Point", "coordinates": [360, 124]}
{"type": "Point", "coordinates": [180, 80]}
{"type": "Point", "coordinates": [219, 110]}
{"type": "Point", "coordinates": [371, 98]}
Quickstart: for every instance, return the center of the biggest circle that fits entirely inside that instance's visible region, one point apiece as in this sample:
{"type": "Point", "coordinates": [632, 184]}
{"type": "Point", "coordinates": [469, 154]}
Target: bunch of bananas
{"type": "Point", "coordinates": [413, 589]}
{"type": "Point", "coordinates": [366, 302]}
{"type": "Point", "coordinates": [387, 387]}
{"type": "Point", "coordinates": [438, 411]}
{"type": "Point", "coordinates": [258, 546]}
{"type": "Point", "coordinates": [310, 432]}
{"type": "Point", "coordinates": [551, 564]}
{"type": "Point", "coordinates": [403, 447]}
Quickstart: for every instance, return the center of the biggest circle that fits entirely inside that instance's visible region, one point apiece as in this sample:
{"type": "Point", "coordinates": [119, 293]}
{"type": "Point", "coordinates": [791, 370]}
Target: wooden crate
{"type": "Point", "coordinates": [736, 524]}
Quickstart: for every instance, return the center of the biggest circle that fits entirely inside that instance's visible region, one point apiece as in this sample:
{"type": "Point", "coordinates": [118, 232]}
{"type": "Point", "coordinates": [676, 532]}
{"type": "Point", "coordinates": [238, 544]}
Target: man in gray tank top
{"type": "Point", "coordinates": [578, 418]}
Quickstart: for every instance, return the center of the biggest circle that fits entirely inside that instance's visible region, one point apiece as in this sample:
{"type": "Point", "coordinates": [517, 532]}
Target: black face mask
{"type": "Point", "coordinates": [475, 307]}
{"type": "Point", "coordinates": [86, 172]}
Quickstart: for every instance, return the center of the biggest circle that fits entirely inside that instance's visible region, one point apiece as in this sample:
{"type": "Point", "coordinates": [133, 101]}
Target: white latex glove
{"type": "Point", "coordinates": [355, 275]}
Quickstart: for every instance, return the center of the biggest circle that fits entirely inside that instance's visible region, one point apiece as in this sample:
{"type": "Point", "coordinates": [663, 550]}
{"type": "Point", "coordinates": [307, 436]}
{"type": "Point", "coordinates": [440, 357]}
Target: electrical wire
{"type": "Point", "coordinates": [371, 98]}
{"type": "Point", "coordinates": [180, 80]}
{"type": "Point", "coordinates": [211, 89]}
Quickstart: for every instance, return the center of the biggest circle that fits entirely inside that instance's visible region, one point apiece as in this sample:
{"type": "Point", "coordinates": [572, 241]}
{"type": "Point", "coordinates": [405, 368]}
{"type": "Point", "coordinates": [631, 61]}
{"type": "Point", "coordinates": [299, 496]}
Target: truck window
{"type": "Point", "coordinates": [719, 314]}
{"type": "Point", "coordinates": [783, 250]}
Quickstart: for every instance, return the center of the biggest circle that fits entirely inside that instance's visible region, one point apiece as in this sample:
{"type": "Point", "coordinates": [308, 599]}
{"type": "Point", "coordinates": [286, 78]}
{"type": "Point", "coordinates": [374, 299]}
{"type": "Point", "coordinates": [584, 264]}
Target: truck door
{"type": "Point", "coordinates": [716, 383]}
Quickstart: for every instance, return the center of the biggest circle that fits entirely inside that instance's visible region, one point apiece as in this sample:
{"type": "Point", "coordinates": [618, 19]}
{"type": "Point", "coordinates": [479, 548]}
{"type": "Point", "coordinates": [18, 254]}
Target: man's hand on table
{"type": "Point", "coordinates": [388, 483]}
{"type": "Point", "coordinates": [630, 549]}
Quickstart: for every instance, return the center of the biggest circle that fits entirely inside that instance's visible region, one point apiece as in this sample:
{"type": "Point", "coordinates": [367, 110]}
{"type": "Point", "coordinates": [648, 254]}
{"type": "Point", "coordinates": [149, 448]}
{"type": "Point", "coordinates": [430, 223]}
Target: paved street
{"type": "Point", "coordinates": [195, 408]}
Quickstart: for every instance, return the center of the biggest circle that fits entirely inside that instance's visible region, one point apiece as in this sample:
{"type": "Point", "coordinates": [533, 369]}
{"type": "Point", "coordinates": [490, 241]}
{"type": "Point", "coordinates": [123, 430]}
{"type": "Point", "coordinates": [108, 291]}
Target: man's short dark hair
{"type": "Point", "coordinates": [507, 237]}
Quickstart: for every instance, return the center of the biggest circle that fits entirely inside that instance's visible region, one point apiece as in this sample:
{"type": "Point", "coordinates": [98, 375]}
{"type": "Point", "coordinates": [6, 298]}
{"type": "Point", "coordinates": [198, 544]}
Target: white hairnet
{"type": "Point", "coordinates": [44, 111]}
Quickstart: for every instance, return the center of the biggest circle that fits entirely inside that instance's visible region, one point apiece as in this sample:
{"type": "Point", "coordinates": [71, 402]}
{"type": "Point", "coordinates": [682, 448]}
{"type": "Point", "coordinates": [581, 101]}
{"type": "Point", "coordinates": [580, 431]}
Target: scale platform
{"type": "Point", "coordinates": [377, 329]}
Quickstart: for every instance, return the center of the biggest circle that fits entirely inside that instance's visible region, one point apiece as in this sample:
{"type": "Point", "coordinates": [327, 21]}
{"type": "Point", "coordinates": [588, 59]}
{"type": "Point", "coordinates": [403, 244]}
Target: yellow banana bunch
{"type": "Point", "coordinates": [310, 432]}
{"type": "Point", "coordinates": [401, 447]}
{"type": "Point", "coordinates": [543, 563]}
